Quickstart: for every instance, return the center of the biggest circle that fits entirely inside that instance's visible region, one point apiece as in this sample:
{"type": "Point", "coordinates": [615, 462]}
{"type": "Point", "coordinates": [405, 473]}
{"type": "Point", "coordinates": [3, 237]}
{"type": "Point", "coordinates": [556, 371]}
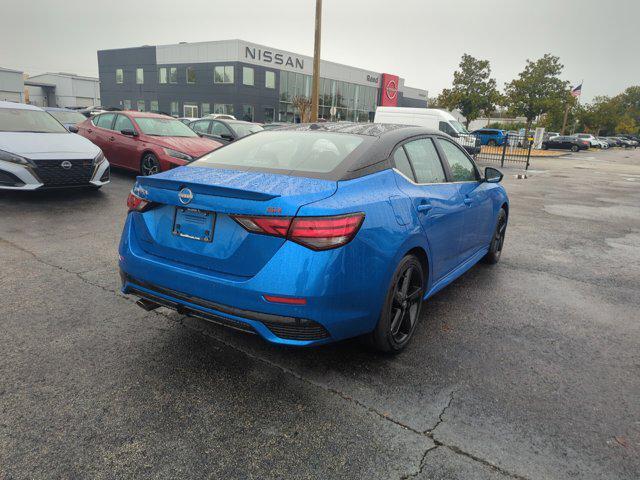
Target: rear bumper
{"type": "Point", "coordinates": [340, 303]}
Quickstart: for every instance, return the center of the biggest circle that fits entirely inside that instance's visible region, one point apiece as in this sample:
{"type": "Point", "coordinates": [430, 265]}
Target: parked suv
{"type": "Point", "coordinates": [490, 136]}
{"type": "Point", "coordinates": [145, 142]}
{"type": "Point", "coordinates": [593, 141]}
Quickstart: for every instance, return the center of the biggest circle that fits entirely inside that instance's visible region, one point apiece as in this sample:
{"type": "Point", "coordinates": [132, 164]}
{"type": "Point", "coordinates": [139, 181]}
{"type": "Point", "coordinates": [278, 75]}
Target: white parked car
{"type": "Point", "coordinates": [593, 141]}
{"type": "Point", "coordinates": [37, 151]}
{"type": "Point", "coordinates": [220, 116]}
{"type": "Point", "coordinates": [187, 120]}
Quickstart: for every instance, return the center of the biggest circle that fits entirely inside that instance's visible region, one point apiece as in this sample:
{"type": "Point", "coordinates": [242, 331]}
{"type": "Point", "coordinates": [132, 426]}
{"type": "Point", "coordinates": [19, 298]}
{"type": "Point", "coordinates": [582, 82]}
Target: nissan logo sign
{"type": "Point", "coordinates": [185, 196]}
{"type": "Point", "coordinates": [66, 165]}
{"type": "Point", "coordinates": [392, 89]}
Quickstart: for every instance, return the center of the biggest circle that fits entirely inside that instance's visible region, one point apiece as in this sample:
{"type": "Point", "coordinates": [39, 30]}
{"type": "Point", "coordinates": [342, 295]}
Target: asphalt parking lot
{"type": "Point", "coordinates": [529, 369]}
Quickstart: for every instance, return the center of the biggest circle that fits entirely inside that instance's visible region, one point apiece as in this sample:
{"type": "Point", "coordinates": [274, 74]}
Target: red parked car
{"type": "Point", "coordinates": [145, 142]}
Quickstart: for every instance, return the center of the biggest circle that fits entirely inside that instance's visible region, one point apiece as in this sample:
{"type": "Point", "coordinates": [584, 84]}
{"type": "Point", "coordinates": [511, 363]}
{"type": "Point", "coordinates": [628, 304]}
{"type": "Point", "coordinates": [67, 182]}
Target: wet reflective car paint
{"type": "Point", "coordinates": [345, 287]}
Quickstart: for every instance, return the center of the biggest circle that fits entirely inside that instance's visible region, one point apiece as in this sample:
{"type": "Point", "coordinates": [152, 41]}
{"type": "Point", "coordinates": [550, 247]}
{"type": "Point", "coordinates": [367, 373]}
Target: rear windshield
{"type": "Point", "coordinates": [285, 152]}
{"type": "Point", "coordinates": [23, 120]}
{"type": "Point", "coordinates": [67, 117]}
{"type": "Point", "coordinates": [164, 127]}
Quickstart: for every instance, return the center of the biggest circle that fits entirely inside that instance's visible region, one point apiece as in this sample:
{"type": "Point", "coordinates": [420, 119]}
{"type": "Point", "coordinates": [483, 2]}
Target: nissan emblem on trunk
{"type": "Point", "coordinates": [185, 196]}
{"type": "Point", "coordinates": [66, 164]}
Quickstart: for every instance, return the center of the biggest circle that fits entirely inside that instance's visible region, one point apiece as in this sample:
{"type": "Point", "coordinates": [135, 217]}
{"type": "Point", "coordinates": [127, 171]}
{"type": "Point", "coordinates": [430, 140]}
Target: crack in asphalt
{"type": "Point", "coordinates": [429, 433]}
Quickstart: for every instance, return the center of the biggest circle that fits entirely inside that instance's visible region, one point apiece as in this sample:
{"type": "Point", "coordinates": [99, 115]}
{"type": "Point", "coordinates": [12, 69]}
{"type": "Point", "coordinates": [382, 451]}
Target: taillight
{"type": "Point", "coordinates": [317, 233]}
{"type": "Point", "coordinates": [137, 204]}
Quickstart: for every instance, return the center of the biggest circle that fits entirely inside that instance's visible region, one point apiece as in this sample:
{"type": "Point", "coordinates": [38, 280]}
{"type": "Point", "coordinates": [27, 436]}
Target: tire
{"type": "Point", "coordinates": [497, 241]}
{"type": "Point", "coordinates": [401, 310]}
{"type": "Point", "coordinates": [149, 165]}
{"type": "Point", "coordinates": [575, 148]}
{"type": "Point", "coordinates": [492, 143]}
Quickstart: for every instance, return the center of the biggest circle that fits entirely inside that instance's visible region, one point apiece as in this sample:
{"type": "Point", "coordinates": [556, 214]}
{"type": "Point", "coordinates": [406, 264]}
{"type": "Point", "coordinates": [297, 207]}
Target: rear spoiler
{"type": "Point", "coordinates": [204, 189]}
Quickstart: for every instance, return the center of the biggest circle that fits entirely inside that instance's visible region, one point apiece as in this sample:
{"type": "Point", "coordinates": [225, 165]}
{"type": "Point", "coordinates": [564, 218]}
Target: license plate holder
{"type": "Point", "coordinates": [194, 224]}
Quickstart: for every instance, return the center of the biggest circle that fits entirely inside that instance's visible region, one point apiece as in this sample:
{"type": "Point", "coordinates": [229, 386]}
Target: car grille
{"type": "Point", "coordinates": [52, 174]}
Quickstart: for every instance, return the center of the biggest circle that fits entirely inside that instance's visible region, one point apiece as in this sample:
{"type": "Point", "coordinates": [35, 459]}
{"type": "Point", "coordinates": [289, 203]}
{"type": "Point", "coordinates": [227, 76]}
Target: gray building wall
{"type": "Point", "coordinates": [71, 90]}
{"type": "Point", "coordinates": [11, 85]}
{"type": "Point", "coordinates": [203, 91]}
{"type": "Point", "coordinates": [200, 56]}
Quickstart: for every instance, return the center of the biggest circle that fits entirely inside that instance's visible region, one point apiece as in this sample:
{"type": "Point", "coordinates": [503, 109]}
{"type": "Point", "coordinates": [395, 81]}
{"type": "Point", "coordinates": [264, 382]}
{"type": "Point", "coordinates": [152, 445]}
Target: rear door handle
{"type": "Point", "coordinates": [424, 207]}
{"type": "Point", "coordinates": [467, 201]}
{"type": "Point", "coordinates": [89, 130]}
{"type": "Point", "coordinates": [112, 139]}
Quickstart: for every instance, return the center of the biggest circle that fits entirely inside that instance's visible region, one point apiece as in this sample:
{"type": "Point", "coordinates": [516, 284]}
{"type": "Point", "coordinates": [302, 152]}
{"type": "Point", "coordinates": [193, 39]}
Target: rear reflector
{"type": "Point", "coordinates": [287, 300]}
{"type": "Point", "coordinates": [317, 233]}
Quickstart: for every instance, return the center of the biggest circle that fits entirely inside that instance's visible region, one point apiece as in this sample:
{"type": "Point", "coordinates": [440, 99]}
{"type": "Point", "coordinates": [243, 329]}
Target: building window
{"type": "Point", "coordinates": [190, 110]}
{"type": "Point", "coordinates": [162, 75]}
{"type": "Point", "coordinates": [247, 113]}
{"type": "Point", "coordinates": [270, 79]}
{"type": "Point", "coordinates": [223, 74]}
{"type": "Point", "coordinates": [224, 108]}
{"type": "Point", "coordinates": [141, 105]}
{"type": "Point", "coordinates": [173, 75]}
{"type": "Point", "coordinates": [153, 106]}
{"type": "Point", "coordinates": [126, 104]}
{"type": "Point", "coordinates": [191, 75]}
{"type": "Point", "coordinates": [247, 76]}
{"type": "Point", "coordinates": [269, 114]}
{"type": "Point", "coordinates": [206, 109]}
{"type": "Point", "coordinates": [174, 108]}
{"type": "Point", "coordinates": [139, 76]}
{"type": "Point", "coordinates": [119, 75]}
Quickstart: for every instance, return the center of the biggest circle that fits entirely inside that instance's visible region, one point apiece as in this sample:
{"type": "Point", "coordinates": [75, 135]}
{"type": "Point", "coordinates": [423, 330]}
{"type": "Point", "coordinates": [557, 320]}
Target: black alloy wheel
{"type": "Point", "coordinates": [401, 310]}
{"type": "Point", "coordinates": [575, 148]}
{"type": "Point", "coordinates": [497, 242]}
{"type": "Point", "coordinates": [149, 165]}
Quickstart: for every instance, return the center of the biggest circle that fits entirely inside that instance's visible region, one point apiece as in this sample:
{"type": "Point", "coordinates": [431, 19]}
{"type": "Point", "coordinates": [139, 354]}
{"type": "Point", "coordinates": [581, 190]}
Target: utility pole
{"type": "Point", "coordinates": [315, 86]}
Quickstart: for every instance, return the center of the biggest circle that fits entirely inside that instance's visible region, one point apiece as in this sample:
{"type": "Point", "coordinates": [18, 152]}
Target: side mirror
{"type": "Point", "coordinates": [129, 132]}
{"type": "Point", "coordinates": [227, 137]}
{"type": "Point", "coordinates": [73, 129]}
{"type": "Point", "coordinates": [492, 175]}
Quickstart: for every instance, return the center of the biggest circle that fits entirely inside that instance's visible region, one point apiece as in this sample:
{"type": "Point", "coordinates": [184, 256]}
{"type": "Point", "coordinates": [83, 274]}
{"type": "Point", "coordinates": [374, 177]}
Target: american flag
{"type": "Point", "coordinates": [577, 91]}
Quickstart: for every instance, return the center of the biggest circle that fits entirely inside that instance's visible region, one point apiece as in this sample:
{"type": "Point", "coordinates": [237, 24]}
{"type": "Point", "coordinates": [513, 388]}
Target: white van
{"type": "Point", "coordinates": [430, 118]}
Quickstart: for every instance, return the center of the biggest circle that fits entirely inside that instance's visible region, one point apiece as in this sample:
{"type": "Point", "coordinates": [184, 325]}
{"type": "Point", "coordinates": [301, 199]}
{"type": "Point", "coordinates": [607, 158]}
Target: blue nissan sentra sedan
{"type": "Point", "coordinates": [313, 233]}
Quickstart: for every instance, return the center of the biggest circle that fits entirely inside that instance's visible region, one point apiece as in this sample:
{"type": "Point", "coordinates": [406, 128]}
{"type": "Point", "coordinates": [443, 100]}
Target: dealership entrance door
{"type": "Point", "coordinates": [191, 111]}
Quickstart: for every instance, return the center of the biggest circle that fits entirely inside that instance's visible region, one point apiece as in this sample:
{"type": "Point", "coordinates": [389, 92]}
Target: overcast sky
{"type": "Point", "coordinates": [419, 40]}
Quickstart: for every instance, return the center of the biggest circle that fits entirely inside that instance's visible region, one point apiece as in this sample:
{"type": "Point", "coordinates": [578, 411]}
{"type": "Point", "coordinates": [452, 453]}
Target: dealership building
{"type": "Point", "coordinates": [251, 81]}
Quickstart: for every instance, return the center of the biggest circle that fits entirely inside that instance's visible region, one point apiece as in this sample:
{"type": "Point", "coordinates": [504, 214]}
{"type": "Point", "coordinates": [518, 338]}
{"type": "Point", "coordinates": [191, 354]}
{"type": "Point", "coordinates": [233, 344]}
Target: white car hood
{"type": "Point", "coordinates": [43, 146]}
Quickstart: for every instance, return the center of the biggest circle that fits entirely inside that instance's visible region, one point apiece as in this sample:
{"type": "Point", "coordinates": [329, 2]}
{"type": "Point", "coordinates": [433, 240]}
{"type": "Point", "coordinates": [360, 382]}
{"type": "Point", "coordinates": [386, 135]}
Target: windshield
{"type": "Point", "coordinates": [458, 127]}
{"type": "Point", "coordinates": [22, 120]}
{"type": "Point", "coordinates": [244, 129]}
{"type": "Point", "coordinates": [315, 152]}
{"type": "Point", "coordinates": [164, 127]}
{"type": "Point", "coordinates": [67, 117]}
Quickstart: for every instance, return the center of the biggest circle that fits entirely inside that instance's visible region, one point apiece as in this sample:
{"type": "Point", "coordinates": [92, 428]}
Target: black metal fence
{"type": "Point", "coordinates": [512, 148]}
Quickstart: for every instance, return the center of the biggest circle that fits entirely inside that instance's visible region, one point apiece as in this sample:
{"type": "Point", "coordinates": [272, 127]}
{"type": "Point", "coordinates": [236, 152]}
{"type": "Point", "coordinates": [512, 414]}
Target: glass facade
{"type": "Point", "coordinates": [139, 76]}
{"type": "Point", "coordinates": [352, 102]}
{"type": "Point", "coordinates": [224, 108]}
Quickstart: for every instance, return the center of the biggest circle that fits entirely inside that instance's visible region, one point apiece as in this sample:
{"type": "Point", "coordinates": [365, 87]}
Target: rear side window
{"type": "Point", "coordinates": [201, 126]}
{"type": "Point", "coordinates": [123, 123]}
{"type": "Point", "coordinates": [285, 151]}
{"type": "Point", "coordinates": [425, 161]}
{"type": "Point", "coordinates": [462, 170]}
{"type": "Point", "coordinates": [402, 163]}
{"type": "Point", "coordinates": [219, 129]}
{"type": "Point", "coordinates": [105, 120]}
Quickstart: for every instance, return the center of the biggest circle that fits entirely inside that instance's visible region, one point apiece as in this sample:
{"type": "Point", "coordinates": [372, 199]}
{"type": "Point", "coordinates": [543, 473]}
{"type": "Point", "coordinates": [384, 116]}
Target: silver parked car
{"type": "Point", "coordinates": [37, 151]}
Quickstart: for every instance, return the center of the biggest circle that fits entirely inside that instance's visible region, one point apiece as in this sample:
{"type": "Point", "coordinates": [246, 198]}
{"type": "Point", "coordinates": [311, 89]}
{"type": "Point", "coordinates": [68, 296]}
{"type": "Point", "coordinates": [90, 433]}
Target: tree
{"type": "Point", "coordinates": [303, 104]}
{"type": "Point", "coordinates": [537, 89]}
{"type": "Point", "coordinates": [627, 125]}
{"type": "Point", "coordinates": [473, 92]}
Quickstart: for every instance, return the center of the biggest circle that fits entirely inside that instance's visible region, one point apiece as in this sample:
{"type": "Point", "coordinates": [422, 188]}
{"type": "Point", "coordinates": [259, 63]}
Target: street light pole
{"type": "Point", "coordinates": [316, 63]}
